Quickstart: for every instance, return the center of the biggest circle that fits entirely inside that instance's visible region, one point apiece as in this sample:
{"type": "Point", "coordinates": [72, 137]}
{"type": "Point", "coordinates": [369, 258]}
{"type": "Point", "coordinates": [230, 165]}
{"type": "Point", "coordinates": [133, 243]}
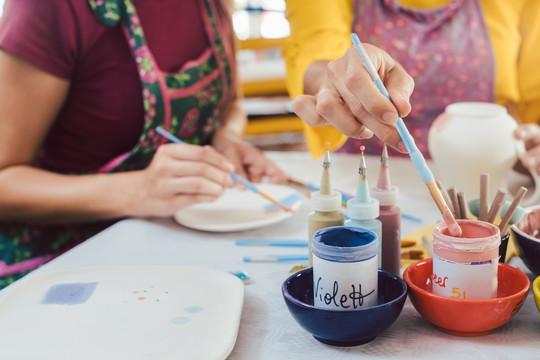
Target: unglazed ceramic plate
{"type": "Point", "coordinates": [239, 209]}
{"type": "Point", "coordinates": [122, 313]}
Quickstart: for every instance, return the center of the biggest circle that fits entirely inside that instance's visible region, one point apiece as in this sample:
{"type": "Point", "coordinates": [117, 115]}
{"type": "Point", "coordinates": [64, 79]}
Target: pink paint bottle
{"type": "Point", "coordinates": [466, 267]}
{"type": "Point", "coordinates": [389, 216]}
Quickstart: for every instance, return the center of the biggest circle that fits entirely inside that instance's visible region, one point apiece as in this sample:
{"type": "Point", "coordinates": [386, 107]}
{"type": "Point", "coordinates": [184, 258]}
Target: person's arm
{"type": "Point", "coordinates": [529, 85]}
{"type": "Point", "coordinates": [528, 60]}
{"type": "Point", "coordinates": [30, 99]}
{"type": "Point", "coordinates": [319, 32]}
{"type": "Point", "coordinates": [249, 161]}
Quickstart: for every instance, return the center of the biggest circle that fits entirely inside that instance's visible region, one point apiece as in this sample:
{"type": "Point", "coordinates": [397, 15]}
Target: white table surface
{"type": "Point", "coordinates": [267, 330]}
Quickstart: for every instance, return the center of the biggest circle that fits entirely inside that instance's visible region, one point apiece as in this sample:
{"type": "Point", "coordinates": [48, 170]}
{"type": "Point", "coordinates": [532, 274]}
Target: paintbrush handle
{"type": "Point", "coordinates": [484, 188]}
{"type": "Point", "coordinates": [168, 135]}
{"type": "Point", "coordinates": [462, 205]}
{"type": "Point", "coordinates": [244, 182]}
{"type": "Point", "coordinates": [264, 242]}
{"type": "Point", "coordinates": [275, 258]}
{"type": "Point", "coordinates": [505, 222]}
{"type": "Point", "coordinates": [496, 205]}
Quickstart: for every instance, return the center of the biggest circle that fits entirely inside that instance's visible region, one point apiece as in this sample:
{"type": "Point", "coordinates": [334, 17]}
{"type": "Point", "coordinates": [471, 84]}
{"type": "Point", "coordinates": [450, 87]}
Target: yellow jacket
{"type": "Point", "coordinates": [320, 30]}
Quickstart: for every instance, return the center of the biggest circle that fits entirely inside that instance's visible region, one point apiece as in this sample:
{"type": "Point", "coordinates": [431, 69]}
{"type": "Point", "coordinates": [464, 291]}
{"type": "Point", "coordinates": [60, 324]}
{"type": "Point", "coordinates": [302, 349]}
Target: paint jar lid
{"type": "Point", "coordinates": [322, 202]}
{"type": "Point", "coordinates": [363, 210]}
{"type": "Point", "coordinates": [345, 244]}
{"type": "Point", "coordinates": [386, 197]}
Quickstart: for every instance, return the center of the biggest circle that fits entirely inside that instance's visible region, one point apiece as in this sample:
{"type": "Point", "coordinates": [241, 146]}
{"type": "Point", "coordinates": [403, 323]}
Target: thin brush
{"type": "Point", "coordinates": [234, 176]}
{"type": "Point", "coordinates": [416, 156]}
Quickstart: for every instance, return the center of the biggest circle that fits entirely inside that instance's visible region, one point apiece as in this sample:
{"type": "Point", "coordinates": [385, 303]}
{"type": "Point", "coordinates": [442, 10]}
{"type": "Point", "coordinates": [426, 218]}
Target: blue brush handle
{"type": "Point", "coordinates": [168, 135]}
{"type": "Point", "coordinates": [300, 243]}
{"type": "Point", "coordinates": [275, 258]}
{"type": "Point", "coordinates": [246, 183]}
{"type": "Point", "coordinates": [416, 156]}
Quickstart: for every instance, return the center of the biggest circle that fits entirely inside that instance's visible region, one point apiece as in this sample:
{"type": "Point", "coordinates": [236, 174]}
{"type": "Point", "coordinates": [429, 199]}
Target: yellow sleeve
{"type": "Point", "coordinates": [320, 30]}
{"type": "Point", "coordinates": [502, 20]}
{"type": "Point", "coordinates": [514, 28]}
{"type": "Point", "coordinates": [529, 62]}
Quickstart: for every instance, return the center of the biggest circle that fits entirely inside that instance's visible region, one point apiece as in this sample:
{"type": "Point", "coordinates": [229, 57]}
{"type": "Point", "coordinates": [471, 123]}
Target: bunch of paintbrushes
{"type": "Point", "coordinates": [510, 212]}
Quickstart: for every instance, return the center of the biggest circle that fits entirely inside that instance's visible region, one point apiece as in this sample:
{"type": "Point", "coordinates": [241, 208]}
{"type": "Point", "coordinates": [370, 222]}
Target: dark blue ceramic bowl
{"type": "Point", "coordinates": [526, 234]}
{"type": "Point", "coordinates": [344, 327]}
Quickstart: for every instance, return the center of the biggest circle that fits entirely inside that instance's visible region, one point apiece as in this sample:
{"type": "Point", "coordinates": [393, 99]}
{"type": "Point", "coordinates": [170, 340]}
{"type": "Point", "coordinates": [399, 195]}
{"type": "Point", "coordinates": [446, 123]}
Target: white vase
{"type": "Point", "coordinates": [471, 138]}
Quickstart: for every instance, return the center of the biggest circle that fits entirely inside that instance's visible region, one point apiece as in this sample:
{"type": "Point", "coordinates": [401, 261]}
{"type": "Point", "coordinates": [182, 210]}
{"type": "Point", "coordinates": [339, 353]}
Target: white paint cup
{"type": "Point", "coordinates": [466, 267]}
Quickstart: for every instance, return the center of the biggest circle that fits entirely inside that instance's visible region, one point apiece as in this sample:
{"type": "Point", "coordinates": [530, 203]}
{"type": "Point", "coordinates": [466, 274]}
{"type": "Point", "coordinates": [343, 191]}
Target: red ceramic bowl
{"type": "Point", "coordinates": [466, 317]}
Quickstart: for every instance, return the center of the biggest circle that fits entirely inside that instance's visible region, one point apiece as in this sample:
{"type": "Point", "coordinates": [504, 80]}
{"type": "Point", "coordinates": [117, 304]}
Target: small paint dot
{"type": "Point", "coordinates": [141, 298]}
{"type": "Point", "coordinates": [193, 309]}
{"type": "Point", "coordinates": [179, 320]}
{"type": "Point", "coordinates": [157, 300]}
{"type": "Point", "coordinates": [135, 292]}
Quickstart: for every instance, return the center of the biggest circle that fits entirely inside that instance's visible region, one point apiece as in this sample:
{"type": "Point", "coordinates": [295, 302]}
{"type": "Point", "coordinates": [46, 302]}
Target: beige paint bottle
{"type": "Point", "coordinates": [326, 204]}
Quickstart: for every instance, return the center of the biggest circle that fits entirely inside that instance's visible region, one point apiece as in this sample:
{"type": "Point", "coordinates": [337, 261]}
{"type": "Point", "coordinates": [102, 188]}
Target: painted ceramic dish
{"type": "Point", "coordinates": [122, 313]}
{"type": "Point", "coordinates": [238, 209]}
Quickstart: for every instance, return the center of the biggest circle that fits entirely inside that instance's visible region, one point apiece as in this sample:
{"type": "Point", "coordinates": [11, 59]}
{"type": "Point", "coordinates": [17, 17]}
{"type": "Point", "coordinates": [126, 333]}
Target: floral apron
{"type": "Point", "coordinates": [189, 104]}
{"type": "Point", "coordinates": [447, 50]}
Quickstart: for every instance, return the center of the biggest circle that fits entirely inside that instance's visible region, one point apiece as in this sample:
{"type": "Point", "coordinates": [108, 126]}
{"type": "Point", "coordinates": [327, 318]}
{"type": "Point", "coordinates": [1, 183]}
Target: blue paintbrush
{"type": "Point", "coordinates": [416, 156]}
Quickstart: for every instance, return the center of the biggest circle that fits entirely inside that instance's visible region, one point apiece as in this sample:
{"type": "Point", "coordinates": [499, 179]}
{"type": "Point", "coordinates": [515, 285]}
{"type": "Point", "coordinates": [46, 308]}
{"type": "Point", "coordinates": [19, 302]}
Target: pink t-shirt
{"type": "Point", "coordinates": [103, 113]}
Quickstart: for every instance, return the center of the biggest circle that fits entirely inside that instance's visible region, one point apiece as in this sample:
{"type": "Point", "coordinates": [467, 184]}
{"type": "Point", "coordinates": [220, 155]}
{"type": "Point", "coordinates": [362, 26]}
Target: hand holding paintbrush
{"type": "Point", "coordinates": [416, 156]}
{"type": "Point", "coordinates": [234, 176]}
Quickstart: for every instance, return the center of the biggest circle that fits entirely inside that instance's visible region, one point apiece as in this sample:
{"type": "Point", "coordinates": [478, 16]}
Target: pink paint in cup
{"type": "Point", "coordinates": [466, 267]}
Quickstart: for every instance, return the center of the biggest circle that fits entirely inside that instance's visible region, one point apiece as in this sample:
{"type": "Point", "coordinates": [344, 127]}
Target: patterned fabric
{"type": "Point", "coordinates": [447, 50]}
{"type": "Point", "coordinates": [189, 103]}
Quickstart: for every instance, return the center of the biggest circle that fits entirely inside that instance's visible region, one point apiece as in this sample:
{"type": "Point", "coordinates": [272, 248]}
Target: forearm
{"type": "Point", "coordinates": [235, 119]}
{"type": "Point", "coordinates": [41, 197]}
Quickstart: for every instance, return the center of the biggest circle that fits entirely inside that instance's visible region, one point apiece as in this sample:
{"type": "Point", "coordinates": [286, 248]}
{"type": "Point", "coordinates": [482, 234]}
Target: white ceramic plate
{"type": "Point", "coordinates": [122, 313]}
{"type": "Point", "coordinates": [237, 210]}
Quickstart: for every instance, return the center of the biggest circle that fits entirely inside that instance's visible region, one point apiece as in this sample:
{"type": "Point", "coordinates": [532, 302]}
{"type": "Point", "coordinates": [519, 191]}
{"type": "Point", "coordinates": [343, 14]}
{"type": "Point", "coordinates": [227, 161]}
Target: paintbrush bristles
{"type": "Point", "coordinates": [484, 189]}
{"type": "Point", "coordinates": [505, 222]}
{"type": "Point", "coordinates": [496, 205]}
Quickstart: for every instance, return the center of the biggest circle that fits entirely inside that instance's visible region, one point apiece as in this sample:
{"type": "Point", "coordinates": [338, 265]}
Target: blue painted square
{"type": "Point", "coordinates": [69, 294]}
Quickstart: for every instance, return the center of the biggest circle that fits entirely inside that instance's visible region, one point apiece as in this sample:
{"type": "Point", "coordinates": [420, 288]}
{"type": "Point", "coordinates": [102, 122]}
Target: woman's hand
{"type": "Point", "coordinates": [530, 134]}
{"type": "Point", "coordinates": [180, 175]}
{"type": "Point", "coordinates": [249, 161]}
{"type": "Point", "coordinates": [341, 93]}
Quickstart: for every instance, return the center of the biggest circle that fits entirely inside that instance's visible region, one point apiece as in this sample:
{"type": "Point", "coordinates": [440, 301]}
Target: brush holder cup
{"type": "Point", "coordinates": [471, 138]}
